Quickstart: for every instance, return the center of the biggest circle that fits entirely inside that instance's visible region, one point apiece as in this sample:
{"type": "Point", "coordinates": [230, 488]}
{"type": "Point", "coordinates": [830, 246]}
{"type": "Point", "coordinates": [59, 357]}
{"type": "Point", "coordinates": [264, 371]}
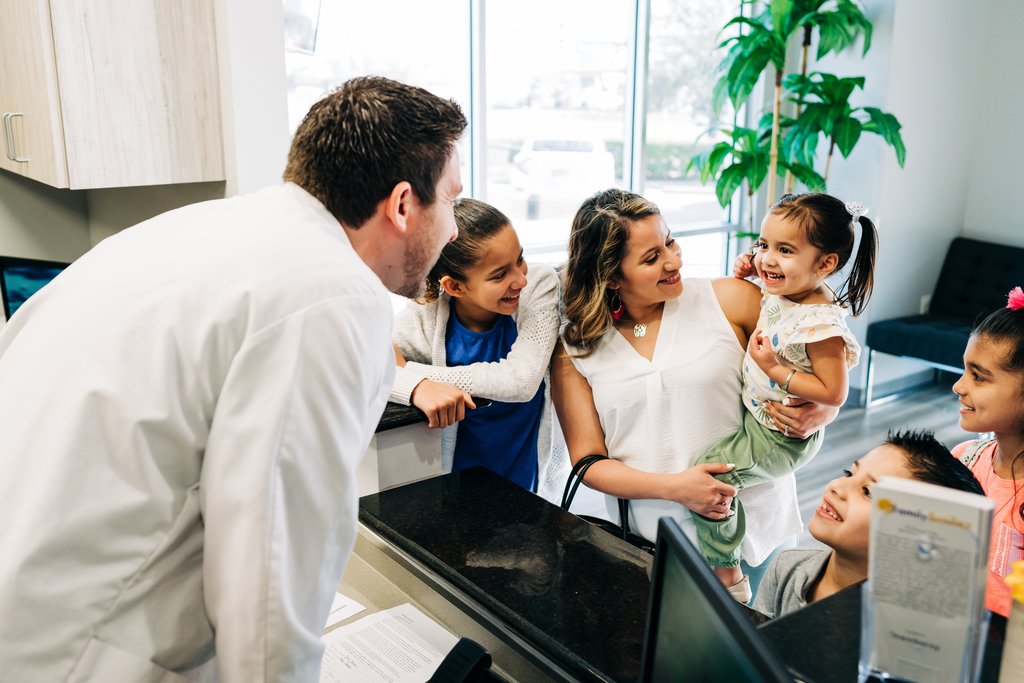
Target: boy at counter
{"type": "Point", "coordinates": [800, 576]}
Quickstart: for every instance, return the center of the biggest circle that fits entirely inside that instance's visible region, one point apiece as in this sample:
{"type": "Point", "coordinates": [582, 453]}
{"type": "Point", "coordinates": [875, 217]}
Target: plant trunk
{"type": "Point", "coordinates": [773, 155]}
{"type": "Point", "coordinates": [750, 208]}
{"type": "Point", "coordinates": [828, 159]}
{"type": "Point", "coordinates": [790, 178]}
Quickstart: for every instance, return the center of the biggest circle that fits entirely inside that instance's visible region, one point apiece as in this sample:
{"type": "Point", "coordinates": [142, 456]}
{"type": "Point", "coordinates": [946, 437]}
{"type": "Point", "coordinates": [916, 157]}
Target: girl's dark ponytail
{"type": "Point", "coordinates": [861, 281]}
{"type": "Point", "coordinates": [829, 226]}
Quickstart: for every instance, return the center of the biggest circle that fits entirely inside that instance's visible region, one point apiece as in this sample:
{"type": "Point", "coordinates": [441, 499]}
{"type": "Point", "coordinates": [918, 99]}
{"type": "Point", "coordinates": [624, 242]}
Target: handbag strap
{"type": "Point", "coordinates": [579, 470]}
{"type": "Point", "coordinates": [624, 516]}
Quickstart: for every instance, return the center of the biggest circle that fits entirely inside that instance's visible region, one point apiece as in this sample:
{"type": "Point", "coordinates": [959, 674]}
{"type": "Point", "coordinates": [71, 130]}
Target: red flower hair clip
{"type": "Point", "coordinates": [1015, 299]}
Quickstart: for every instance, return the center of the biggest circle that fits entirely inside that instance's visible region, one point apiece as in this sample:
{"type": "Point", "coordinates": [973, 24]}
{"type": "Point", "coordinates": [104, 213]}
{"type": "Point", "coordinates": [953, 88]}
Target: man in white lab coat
{"type": "Point", "coordinates": [182, 410]}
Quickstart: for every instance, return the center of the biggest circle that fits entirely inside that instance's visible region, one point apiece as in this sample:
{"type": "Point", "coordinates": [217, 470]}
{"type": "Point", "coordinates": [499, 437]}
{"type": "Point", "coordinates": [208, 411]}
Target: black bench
{"type": "Point", "coordinates": [975, 279]}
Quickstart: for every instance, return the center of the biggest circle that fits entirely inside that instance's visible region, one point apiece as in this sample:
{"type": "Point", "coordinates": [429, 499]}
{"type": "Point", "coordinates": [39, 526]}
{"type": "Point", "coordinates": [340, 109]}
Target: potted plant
{"type": "Point", "coordinates": [819, 101]}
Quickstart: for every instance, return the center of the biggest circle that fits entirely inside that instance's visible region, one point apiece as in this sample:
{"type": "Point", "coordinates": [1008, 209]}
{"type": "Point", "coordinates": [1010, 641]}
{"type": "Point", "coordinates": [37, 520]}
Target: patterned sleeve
{"type": "Point", "coordinates": [516, 377]}
{"type": "Point", "coordinates": [817, 323]}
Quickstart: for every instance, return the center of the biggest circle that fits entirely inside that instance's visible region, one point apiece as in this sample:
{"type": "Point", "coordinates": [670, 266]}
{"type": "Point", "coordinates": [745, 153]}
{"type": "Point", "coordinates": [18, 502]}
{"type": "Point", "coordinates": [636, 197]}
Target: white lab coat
{"type": "Point", "coordinates": [181, 415]}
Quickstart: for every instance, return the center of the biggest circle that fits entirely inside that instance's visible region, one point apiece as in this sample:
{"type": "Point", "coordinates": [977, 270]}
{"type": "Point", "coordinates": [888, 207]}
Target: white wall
{"type": "Point", "coordinates": [115, 209]}
{"type": "Point", "coordinates": [254, 103]}
{"type": "Point", "coordinates": [38, 221]}
{"type": "Point", "coordinates": [996, 169]}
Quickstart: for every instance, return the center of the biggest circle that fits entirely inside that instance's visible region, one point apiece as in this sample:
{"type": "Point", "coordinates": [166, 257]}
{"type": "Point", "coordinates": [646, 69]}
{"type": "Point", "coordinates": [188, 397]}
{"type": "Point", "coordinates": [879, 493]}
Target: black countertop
{"type": "Point", "coordinates": [577, 593]}
{"type": "Point", "coordinates": [573, 591]}
{"type": "Point", "coordinates": [396, 415]}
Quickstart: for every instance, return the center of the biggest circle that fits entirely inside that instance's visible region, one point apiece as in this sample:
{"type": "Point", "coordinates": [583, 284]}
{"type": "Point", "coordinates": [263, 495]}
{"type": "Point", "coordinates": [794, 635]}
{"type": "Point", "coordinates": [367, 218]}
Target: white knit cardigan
{"type": "Point", "coordinates": [419, 334]}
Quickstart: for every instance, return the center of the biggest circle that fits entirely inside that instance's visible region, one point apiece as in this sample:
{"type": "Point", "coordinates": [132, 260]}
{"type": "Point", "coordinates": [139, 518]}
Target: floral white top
{"type": "Point", "coordinates": [790, 327]}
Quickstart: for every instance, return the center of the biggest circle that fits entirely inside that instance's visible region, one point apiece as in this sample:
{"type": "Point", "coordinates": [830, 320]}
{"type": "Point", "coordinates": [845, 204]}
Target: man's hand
{"type": "Point", "coordinates": [443, 404]}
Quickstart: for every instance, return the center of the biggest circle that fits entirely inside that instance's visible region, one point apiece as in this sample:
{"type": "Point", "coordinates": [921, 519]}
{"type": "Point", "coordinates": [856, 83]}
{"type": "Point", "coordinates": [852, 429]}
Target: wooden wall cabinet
{"type": "Point", "coordinates": [110, 93]}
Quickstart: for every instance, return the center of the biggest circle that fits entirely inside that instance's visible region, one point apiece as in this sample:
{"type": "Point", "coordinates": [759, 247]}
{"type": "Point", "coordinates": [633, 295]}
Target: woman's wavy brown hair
{"type": "Point", "coordinates": [597, 245]}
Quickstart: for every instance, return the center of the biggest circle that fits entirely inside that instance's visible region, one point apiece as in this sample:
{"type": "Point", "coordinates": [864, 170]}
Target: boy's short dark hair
{"type": "Point", "coordinates": [930, 461]}
{"type": "Point", "coordinates": [367, 136]}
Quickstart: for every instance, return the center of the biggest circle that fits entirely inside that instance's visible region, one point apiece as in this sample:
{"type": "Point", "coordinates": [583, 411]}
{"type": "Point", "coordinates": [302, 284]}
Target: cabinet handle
{"type": "Point", "coordinates": [9, 147]}
{"type": "Point", "coordinates": [7, 137]}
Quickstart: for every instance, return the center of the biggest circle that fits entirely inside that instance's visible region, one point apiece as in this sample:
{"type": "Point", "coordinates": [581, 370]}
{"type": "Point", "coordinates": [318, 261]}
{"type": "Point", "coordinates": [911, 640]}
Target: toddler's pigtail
{"type": "Point", "coordinates": [862, 273]}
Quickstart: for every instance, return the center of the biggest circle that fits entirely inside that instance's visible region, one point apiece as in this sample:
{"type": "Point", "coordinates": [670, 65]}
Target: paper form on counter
{"type": "Point", "coordinates": [398, 645]}
{"type": "Point", "coordinates": [342, 607]}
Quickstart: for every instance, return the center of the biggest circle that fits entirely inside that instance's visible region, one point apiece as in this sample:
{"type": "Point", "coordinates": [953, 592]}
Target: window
{"type": "Point", "coordinates": [564, 98]}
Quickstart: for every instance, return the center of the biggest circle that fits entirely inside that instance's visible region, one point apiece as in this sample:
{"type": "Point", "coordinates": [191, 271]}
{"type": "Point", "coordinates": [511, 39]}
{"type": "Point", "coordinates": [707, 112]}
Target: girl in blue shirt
{"type": "Point", "coordinates": [484, 329]}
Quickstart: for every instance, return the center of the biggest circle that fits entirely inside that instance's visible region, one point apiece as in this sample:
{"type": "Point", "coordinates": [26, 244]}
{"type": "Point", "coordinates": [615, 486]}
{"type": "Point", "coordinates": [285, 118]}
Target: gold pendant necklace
{"type": "Point", "coordinates": [640, 330]}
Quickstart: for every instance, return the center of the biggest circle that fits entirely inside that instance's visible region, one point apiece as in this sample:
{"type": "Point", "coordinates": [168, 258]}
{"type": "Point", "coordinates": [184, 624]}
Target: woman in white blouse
{"type": "Point", "coordinates": [648, 374]}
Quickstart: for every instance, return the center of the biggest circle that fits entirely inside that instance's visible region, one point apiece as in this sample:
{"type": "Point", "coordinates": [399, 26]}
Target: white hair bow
{"type": "Point", "coordinates": [856, 210]}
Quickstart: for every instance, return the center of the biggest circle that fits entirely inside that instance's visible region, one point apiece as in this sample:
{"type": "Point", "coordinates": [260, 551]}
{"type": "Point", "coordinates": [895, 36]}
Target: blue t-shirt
{"type": "Point", "coordinates": [501, 436]}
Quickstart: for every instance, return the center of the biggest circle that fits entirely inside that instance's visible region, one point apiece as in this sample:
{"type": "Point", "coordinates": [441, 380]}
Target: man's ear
{"type": "Point", "coordinates": [452, 286]}
{"type": "Point", "coordinates": [399, 204]}
{"type": "Point", "coordinates": [828, 263]}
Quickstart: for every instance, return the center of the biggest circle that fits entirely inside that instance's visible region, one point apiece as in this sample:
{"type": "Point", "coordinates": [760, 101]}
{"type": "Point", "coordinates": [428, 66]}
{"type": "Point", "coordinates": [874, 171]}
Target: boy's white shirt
{"type": "Point", "coordinates": [419, 333]}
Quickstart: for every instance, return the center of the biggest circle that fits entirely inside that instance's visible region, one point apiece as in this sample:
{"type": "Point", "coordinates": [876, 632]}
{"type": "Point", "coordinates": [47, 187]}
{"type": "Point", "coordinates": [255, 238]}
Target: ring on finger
{"type": "Point", "coordinates": [785, 430]}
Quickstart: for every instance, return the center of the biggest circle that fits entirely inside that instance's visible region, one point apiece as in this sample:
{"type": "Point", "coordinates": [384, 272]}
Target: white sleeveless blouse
{"type": "Point", "coordinates": [660, 415]}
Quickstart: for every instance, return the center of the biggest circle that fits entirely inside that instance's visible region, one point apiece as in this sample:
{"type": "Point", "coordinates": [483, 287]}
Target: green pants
{"type": "Point", "coordinates": [760, 454]}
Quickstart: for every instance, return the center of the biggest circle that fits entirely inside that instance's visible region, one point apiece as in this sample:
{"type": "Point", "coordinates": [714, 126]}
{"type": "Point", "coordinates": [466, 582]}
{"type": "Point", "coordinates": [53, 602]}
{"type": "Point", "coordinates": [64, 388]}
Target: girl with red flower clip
{"type": "Point", "coordinates": [991, 393]}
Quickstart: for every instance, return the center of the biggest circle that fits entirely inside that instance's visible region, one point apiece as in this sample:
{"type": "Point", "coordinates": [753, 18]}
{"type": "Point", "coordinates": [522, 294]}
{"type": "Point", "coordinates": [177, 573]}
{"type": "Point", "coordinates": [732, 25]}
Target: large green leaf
{"type": "Point", "coordinates": [757, 168]}
{"type": "Point", "coordinates": [855, 16]}
{"type": "Point", "coordinates": [838, 27]}
{"type": "Point", "coordinates": [744, 74]}
{"type": "Point", "coordinates": [801, 142]}
{"type": "Point", "coordinates": [808, 177]}
{"type": "Point", "coordinates": [710, 162]}
{"type": "Point", "coordinates": [782, 12]}
{"type": "Point", "coordinates": [887, 125]}
{"type": "Point", "coordinates": [801, 86]}
{"type": "Point", "coordinates": [840, 89]}
{"type": "Point", "coordinates": [819, 115]}
{"type": "Point", "coordinates": [719, 95]}
{"type": "Point", "coordinates": [846, 132]}
{"type": "Point", "coordinates": [730, 180]}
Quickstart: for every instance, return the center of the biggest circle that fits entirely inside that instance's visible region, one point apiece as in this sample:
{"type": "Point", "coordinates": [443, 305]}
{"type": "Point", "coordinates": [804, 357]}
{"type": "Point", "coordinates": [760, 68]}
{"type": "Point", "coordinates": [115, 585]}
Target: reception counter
{"type": "Point", "coordinates": [401, 451]}
{"type": "Point", "coordinates": [550, 596]}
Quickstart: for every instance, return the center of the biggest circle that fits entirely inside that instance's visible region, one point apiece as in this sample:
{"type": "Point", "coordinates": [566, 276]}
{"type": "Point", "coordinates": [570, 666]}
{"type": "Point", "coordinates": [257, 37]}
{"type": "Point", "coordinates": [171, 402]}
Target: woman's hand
{"type": "Point", "coordinates": [799, 419]}
{"type": "Point", "coordinates": [697, 489]}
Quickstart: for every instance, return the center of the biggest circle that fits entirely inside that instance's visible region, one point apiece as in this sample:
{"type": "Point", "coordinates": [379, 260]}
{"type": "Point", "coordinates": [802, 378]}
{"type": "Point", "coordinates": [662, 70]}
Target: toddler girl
{"type": "Point", "coordinates": [484, 331]}
{"type": "Point", "coordinates": [991, 393]}
{"type": "Point", "coordinates": [802, 349]}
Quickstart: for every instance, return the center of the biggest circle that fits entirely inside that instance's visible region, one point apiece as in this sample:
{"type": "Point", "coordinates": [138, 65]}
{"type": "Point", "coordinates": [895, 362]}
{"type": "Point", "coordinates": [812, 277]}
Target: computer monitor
{"type": "Point", "coordinates": [695, 630]}
{"type": "Point", "coordinates": [20, 278]}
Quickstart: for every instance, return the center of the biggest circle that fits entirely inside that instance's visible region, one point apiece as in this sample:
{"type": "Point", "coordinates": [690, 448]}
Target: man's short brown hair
{"type": "Point", "coordinates": [367, 136]}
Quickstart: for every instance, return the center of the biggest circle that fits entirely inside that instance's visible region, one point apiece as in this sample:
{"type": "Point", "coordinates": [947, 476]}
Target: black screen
{"type": "Point", "coordinates": [695, 630]}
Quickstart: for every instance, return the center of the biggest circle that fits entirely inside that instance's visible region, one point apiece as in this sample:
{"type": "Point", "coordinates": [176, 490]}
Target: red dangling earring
{"type": "Point", "coordinates": [616, 305]}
